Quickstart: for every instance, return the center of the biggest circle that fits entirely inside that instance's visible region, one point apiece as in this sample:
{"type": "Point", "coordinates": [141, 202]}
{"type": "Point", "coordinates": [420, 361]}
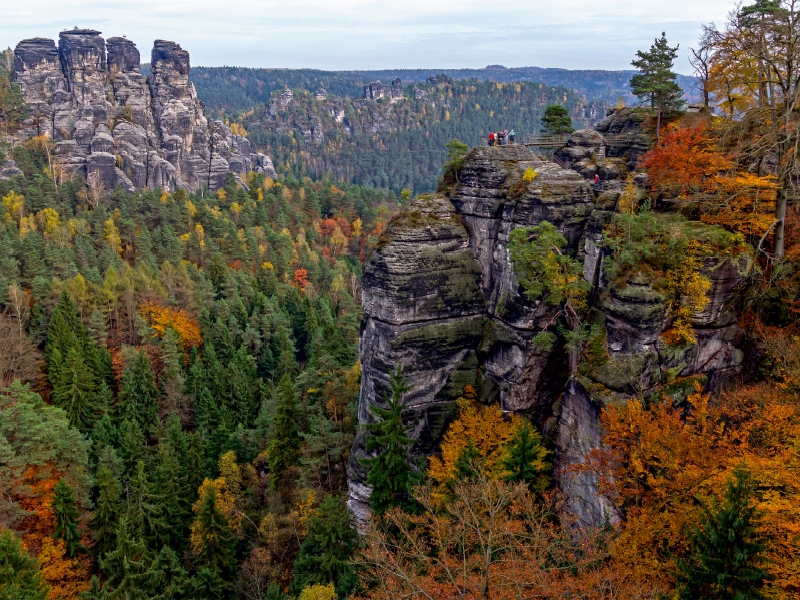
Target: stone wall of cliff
{"type": "Point", "coordinates": [118, 129]}
{"type": "Point", "coordinates": [441, 299]}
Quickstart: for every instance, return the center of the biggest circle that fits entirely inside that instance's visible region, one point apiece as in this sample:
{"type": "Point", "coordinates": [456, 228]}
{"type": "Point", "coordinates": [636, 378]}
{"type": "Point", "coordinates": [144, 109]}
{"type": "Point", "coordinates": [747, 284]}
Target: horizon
{"type": "Point", "coordinates": [365, 35]}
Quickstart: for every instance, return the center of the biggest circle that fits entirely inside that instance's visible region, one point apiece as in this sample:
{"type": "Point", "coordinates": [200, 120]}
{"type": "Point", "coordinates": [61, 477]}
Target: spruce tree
{"type": "Point", "coordinates": [105, 519]}
{"type": "Point", "coordinates": [126, 565]}
{"type": "Point", "coordinates": [389, 472]}
{"type": "Point", "coordinates": [325, 556]}
{"type": "Point", "coordinates": [20, 578]}
{"type": "Point", "coordinates": [556, 121]}
{"type": "Point", "coordinates": [525, 459]}
{"type": "Point", "coordinates": [143, 508]}
{"type": "Point", "coordinates": [283, 452]}
{"type": "Point", "coordinates": [655, 81]}
{"type": "Point", "coordinates": [467, 463]}
{"type": "Point", "coordinates": [216, 541]}
{"type": "Point", "coordinates": [138, 393]}
{"type": "Point", "coordinates": [65, 509]}
{"type": "Point", "coordinates": [166, 578]}
{"type": "Point", "coordinates": [727, 551]}
{"type": "Point", "coordinates": [75, 390]}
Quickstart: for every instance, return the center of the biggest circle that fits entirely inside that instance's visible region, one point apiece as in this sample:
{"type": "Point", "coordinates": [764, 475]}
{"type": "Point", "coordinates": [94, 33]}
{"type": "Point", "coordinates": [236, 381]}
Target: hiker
{"type": "Point", "coordinates": [505, 136]}
{"type": "Point", "coordinates": [491, 138]}
{"type": "Point", "coordinates": [596, 181]}
{"type": "Point", "coordinates": [501, 138]}
{"type": "Point", "coordinates": [512, 137]}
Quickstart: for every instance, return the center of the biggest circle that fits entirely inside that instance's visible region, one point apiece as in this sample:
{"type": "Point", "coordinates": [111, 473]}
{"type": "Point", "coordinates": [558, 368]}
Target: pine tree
{"type": "Point", "coordinates": [325, 556]}
{"type": "Point", "coordinates": [525, 459]}
{"type": "Point", "coordinates": [131, 445]}
{"type": "Point", "coordinates": [105, 519]}
{"type": "Point", "coordinates": [556, 121]}
{"type": "Point", "coordinates": [166, 578]}
{"type": "Point", "coordinates": [283, 452]}
{"type": "Point", "coordinates": [138, 393]}
{"type": "Point", "coordinates": [20, 578]}
{"type": "Point", "coordinates": [656, 80]}
{"type": "Point", "coordinates": [726, 547]}
{"type": "Point", "coordinates": [143, 508]}
{"type": "Point", "coordinates": [75, 390]}
{"type": "Point", "coordinates": [65, 509]}
{"type": "Point", "coordinates": [389, 472]}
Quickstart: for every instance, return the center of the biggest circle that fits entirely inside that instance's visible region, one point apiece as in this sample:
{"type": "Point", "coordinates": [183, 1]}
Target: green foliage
{"type": "Point", "coordinates": [65, 509]}
{"type": "Point", "coordinates": [138, 392]}
{"type": "Point", "coordinates": [126, 566]}
{"type": "Point", "coordinates": [37, 437]}
{"type": "Point", "coordinates": [20, 578]}
{"type": "Point", "coordinates": [541, 267]}
{"type": "Point", "coordinates": [389, 472]}
{"type": "Point", "coordinates": [13, 109]}
{"type": "Point", "coordinates": [525, 459]}
{"type": "Point", "coordinates": [105, 519]}
{"type": "Point", "coordinates": [727, 551]}
{"type": "Point", "coordinates": [217, 544]}
{"type": "Point", "coordinates": [655, 81]}
{"type": "Point", "coordinates": [556, 120]}
{"type": "Point", "coordinates": [326, 554]}
{"type": "Point", "coordinates": [286, 441]}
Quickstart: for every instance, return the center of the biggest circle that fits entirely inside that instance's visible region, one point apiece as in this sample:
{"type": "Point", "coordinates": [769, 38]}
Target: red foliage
{"type": "Point", "coordinates": [346, 228]}
{"type": "Point", "coordinates": [327, 227]}
{"type": "Point", "coordinates": [300, 278]}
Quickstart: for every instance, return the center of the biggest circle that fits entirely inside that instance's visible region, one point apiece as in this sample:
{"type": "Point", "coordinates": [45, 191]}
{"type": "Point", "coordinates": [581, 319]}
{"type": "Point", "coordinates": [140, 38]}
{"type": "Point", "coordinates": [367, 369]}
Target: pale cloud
{"type": "Point", "coordinates": [374, 34]}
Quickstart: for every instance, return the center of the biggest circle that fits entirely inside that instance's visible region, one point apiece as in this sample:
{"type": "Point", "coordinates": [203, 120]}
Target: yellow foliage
{"type": "Point", "coordinates": [690, 290]}
{"type": "Point", "coordinates": [628, 199]}
{"type": "Point", "coordinates": [48, 220]}
{"type": "Point", "coordinates": [489, 431]}
{"type": "Point", "coordinates": [182, 322]}
{"type": "Point", "coordinates": [318, 592]}
{"type": "Point", "coordinates": [226, 503]}
{"type": "Point", "coordinates": [111, 235]}
{"type": "Point", "coordinates": [237, 129]}
{"type": "Point", "coordinates": [15, 206]}
{"type": "Point", "coordinates": [529, 175]}
{"type": "Point", "coordinates": [305, 507]}
{"type": "Point", "coordinates": [191, 208]}
{"type": "Point", "coordinates": [268, 266]}
{"type": "Point", "coordinates": [357, 228]}
{"type": "Point", "coordinates": [221, 195]}
{"type": "Point", "coordinates": [67, 577]}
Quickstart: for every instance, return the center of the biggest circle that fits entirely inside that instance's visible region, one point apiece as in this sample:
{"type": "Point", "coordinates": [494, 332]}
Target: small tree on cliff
{"type": "Point", "coordinates": [545, 271]}
{"type": "Point", "coordinates": [389, 472]}
{"type": "Point", "coordinates": [556, 121]}
{"type": "Point", "coordinates": [655, 81]}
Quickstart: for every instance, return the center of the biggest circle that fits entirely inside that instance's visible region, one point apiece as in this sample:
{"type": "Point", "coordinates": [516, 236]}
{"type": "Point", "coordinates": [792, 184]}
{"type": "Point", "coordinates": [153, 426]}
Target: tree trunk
{"type": "Point", "coordinates": [780, 215]}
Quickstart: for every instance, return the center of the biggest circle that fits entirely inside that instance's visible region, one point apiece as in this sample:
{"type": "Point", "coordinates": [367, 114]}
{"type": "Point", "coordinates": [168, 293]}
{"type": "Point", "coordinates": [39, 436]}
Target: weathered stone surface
{"type": "Point", "coordinates": [90, 97]}
{"type": "Point", "coordinates": [441, 299]}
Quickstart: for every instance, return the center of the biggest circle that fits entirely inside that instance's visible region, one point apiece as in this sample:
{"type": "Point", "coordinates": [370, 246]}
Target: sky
{"type": "Point", "coordinates": [379, 34]}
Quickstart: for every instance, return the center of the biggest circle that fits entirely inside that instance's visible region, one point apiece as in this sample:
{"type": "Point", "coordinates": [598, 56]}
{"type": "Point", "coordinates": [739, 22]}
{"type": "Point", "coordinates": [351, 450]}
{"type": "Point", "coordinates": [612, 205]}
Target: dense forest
{"type": "Point", "coordinates": [238, 88]}
{"type": "Point", "coordinates": [398, 145]}
{"type": "Point", "coordinates": [179, 372]}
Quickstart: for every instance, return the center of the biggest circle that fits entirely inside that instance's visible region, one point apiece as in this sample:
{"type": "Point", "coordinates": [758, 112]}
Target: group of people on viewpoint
{"type": "Point", "coordinates": [501, 138]}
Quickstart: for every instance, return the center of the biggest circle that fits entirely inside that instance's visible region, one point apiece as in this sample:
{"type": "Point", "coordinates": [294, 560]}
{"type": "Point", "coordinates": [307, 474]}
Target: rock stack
{"type": "Point", "coordinates": [118, 129]}
{"type": "Point", "coordinates": [441, 299]}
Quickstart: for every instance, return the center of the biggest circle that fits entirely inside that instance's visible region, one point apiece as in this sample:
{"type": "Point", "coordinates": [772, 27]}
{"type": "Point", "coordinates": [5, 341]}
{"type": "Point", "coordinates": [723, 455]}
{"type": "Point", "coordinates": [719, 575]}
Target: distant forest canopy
{"type": "Point", "coordinates": [398, 145]}
{"type": "Point", "coordinates": [255, 85]}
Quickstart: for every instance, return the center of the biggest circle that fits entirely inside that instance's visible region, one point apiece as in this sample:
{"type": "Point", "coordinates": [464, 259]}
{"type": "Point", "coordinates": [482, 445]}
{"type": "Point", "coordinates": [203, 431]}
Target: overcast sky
{"type": "Point", "coordinates": [378, 34]}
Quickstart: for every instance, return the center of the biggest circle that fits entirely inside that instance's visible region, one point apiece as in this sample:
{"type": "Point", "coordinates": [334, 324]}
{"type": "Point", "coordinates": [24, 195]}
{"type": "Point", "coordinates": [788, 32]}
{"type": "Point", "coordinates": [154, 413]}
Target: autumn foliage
{"type": "Point", "coordinates": [160, 318]}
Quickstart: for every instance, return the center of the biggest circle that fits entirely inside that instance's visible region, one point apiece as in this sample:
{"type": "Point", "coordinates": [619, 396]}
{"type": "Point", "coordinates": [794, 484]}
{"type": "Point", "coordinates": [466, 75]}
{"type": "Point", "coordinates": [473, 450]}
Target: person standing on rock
{"type": "Point", "coordinates": [491, 138]}
{"type": "Point", "coordinates": [500, 138]}
{"type": "Point", "coordinates": [512, 137]}
{"type": "Point", "coordinates": [596, 181]}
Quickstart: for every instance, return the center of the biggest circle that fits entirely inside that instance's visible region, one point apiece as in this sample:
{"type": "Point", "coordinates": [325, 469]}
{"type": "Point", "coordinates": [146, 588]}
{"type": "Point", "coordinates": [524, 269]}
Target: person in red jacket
{"type": "Point", "coordinates": [491, 138]}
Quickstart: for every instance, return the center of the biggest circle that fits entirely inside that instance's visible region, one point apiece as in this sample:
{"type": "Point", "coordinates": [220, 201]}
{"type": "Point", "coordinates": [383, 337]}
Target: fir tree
{"type": "Point", "coordinates": [20, 578]}
{"type": "Point", "coordinates": [105, 519]}
{"type": "Point", "coordinates": [726, 547]}
{"type": "Point", "coordinates": [655, 81]}
{"type": "Point", "coordinates": [65, 509]}
{"type": "Point", "coordinates": [556, 121]}
{"type": "Point", "coordinates": [283, 452]}
{"type": "Point", "coordinates": [389, 472]}
{"type": "Point", "coordinates": [326, 554]}
{"type": "Point", "coordinates": [138, 392]}
{"type": "Point", "coordinates": [525, 459]}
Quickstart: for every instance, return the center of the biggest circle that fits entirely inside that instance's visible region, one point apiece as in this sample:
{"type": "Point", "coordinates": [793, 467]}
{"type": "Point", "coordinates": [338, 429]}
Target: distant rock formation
{"type": "Point", "coordinates": [118, 129]}
{"type": "Point", "coordinates": [441, 299]}
{"type": "Point", "coordinates": [377, 90]}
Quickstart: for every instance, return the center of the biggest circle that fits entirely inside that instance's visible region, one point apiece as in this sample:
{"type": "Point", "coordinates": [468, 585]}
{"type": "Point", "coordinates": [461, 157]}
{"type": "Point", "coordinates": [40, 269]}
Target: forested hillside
{"type": "Point", "coordinates": [401, 144]}
{"type": "Point", "coordinates": [236, 88]}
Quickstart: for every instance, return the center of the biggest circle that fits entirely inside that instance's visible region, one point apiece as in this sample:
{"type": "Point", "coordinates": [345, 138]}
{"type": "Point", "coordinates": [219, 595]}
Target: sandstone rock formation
{"type": "Point", "coordinates": [116, 128]}
{"type": "Point", "coordinates": [441, 299]}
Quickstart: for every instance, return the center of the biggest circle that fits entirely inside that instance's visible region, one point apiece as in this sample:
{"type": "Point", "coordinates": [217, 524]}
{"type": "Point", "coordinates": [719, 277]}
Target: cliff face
{"type": "Point", "coordinates": [441, 299]}
{"type": "Point", "coordinates": [115, 128]}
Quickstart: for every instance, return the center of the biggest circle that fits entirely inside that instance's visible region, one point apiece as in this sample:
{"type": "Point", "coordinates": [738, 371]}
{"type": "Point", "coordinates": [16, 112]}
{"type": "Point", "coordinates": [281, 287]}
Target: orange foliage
{"type": "Point", "coordinates": [327, 227]}
{"type": "Point", "coordinates": [181, 321]}
{"type": "Point", "coordinates": [662, 465]}
{"type": "Point", "coordinates": [687, 164]}
{"type": "Point", "coordinates": [344, 226]}
{"type": "Point", "coordinates": [300, 278]}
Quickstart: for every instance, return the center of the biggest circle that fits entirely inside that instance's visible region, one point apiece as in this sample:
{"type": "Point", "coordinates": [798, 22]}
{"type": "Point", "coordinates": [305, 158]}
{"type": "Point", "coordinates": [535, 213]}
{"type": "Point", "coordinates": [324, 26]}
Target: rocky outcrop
{"type": "Point", "coordinates": [441, 299]}
{"type": "Point", "coordinates": [626, 138]}
{"type": "Point", "coordinates": [117, 129]}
